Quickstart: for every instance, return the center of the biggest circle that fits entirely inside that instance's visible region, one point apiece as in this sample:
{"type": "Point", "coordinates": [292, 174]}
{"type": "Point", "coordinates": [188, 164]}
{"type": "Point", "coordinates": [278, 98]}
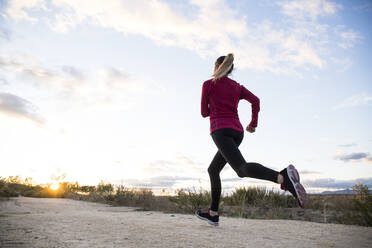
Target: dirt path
{"type": "Point", "coordinates": [31, 222]}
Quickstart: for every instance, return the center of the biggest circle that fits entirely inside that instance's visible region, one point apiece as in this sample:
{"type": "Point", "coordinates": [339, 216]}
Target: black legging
{"type": "Point", "coordinates": [227, 141]}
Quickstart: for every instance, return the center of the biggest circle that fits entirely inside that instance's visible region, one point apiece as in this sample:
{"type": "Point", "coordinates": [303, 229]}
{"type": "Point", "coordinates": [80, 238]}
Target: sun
{"type": "Point", "coordinates": [54, 186]}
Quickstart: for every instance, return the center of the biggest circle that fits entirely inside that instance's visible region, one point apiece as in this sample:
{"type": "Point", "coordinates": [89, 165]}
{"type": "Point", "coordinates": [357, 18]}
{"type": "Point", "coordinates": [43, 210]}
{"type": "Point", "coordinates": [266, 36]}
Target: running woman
{"type": "Point", "coordinates": [219, 101]}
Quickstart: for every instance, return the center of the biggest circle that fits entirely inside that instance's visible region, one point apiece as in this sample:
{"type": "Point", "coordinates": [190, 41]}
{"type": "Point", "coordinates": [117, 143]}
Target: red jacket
{"type": "Point", "coordinates": [220, 101]}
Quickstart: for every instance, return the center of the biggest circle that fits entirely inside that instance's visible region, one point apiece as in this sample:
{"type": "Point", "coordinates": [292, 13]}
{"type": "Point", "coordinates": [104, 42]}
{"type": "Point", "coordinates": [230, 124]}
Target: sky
{"type": "Point", "coordinates": [110, 90]}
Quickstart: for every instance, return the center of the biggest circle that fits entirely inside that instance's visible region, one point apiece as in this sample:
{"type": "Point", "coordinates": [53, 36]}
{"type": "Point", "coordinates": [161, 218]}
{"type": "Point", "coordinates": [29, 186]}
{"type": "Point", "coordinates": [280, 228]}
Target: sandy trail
{"type": "Point", "coordinates": [32, 222]}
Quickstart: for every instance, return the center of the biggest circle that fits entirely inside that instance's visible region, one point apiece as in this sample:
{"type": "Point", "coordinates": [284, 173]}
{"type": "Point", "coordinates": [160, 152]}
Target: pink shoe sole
{"type": "Point", "coordinates": [302, 196]}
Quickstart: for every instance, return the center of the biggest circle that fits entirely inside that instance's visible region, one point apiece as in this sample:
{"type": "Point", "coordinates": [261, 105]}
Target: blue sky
{"type": "Point", "coordinates": [111, 90]}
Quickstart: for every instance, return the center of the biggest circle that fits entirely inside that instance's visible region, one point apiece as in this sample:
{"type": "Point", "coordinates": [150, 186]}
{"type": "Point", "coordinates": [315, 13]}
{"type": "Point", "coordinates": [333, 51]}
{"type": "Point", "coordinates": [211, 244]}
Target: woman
{"type": "Point", "coordinates": [219, 101]}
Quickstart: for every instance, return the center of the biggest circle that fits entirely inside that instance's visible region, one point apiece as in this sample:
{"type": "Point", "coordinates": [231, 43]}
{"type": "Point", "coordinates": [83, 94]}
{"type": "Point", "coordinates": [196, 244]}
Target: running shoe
{"type": "Point", "coordinates": [292, 184]}
{"type": "Point", "coordinates": [212, 220]}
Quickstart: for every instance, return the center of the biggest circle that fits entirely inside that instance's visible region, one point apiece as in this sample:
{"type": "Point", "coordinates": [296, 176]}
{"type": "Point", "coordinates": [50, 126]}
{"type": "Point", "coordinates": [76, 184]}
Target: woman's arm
{"type": "Point", "coordinates": [205, 101]}
{"type": "Point", "coordinates": [255, 101]}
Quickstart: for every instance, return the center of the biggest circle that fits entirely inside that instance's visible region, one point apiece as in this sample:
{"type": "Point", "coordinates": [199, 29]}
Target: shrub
{"type": "Point", "coordinates": [362, 213]}
{"type": "Point", "coordinates": [189, 200]}
{"type": "Point", "coordinates": [363, 203]}
{"type": "Point", "coordinates": [259, 197]}
{"type": "Point", "coordinates": [103, 187]}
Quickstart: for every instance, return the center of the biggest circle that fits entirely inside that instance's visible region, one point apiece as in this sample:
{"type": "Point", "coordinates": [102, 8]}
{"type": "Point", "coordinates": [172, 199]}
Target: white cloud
{"type": "Point", "coordinates": [3, 82]}
{"type": "Point", "coordinates": [336, 183]}
{"type": "Point", "coordinates": [30, 69]}
{"type": "Point", "coordinates": [349, 38]}
{"type": "Point", "coordinates": [345, 63]}
{"type": "Point", "coordinates": [309, 8]}
{"type": "Point", "coordinates": [353, 157]}
{"type": "Point", "coordinates": [309, 172]}
{"type": "Point", "coordinates": [155, 20]}
{"type": "Point", "coordinates": [63, 23]}
{"type": "Point", "coordinates": [212, 29]}
{"type": "Point", "coordinates": [4, 34]}
{"type": "Point", "coordinates": [180, 165]}
{"type": "Point", "coordinates": [14, 105]}
{"type": "Point", "coordinates": [348, 145]}
{"type": "Point", "coordinates": [355, 101]}
{"type": "Point", "coordinates": [368, 160]}
{"type": "Point", "coordinates": [158, 181]}
{"type": "Point", "coordinates": [365, 6]}
{"type": "Point", "coordinates": [107, 87]}
{"type": "Point", "coordinates": [16, 9]}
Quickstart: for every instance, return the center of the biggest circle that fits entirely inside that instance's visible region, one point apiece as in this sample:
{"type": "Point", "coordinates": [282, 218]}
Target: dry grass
{"type": "Point", "coordinates": [251, 202]}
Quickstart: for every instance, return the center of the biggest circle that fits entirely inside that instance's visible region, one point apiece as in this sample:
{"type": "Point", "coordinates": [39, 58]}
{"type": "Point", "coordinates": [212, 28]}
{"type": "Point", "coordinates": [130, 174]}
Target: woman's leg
{"type": "Point", "coordinates": [214, 170]}
{"type": "Point", "coordinates": [226, 141]}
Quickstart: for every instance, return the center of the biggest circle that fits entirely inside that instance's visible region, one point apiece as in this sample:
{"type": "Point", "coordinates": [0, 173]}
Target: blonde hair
{"type": "Point", "coordinates": [225, 67]}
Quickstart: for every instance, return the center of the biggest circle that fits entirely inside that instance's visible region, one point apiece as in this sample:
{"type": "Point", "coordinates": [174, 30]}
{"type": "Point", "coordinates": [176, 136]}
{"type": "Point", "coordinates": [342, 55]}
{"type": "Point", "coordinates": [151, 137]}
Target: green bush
{"type": "Point", "coordinates": [362, 212]}
{"type": "Point", "coordinates": [363, 204]}
{"type": "Point", "coordinates": [103, 187]}
{"type": "Point", "coordinates": [259, 197]}
{"type": "Point", "coordinates": [189, 200]}
{"type": "Point", "coordinates": [5, 191]}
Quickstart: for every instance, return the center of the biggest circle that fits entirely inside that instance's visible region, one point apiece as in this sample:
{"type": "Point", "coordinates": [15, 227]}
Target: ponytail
{"type": "Point", "coordinates": [225, 67]}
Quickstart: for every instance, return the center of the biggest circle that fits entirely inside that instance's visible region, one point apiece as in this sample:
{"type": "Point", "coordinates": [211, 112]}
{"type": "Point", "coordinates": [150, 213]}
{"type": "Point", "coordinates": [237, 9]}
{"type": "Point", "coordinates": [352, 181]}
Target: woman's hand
{"type": "Point", "coordinates": [250, 129]}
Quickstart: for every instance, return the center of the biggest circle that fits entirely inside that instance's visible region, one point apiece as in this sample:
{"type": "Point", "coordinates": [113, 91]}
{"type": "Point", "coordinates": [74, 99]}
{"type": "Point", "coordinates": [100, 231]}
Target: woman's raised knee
{"type": "Point", "coordinates": [240, 172]}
